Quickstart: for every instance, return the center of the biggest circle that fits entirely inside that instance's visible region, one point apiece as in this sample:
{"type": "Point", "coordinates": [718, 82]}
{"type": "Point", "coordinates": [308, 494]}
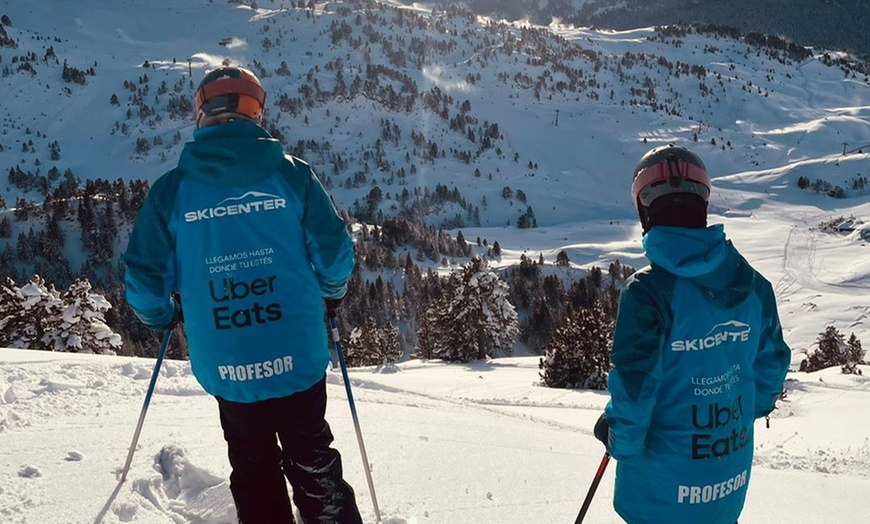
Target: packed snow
{"type": "Point", "coordinates": [447, 443]}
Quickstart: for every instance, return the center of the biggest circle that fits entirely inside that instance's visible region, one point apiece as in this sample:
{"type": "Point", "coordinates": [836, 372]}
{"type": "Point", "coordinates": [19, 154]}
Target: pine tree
{"type": "Point", "coordinates": [13, 324]}
{"type": "Point", "coordinates": [8, 262]}
{"type": "Point", "coordinates": [25, 311]}
{"type": "Point", "coordinates": [578, 355]}
{"type": "Point", "coordinates": [537, 328]}
{"type": "Point", "coordinates": [854, 355]}
{"type": "Point", "coordinates": [426, 338]}
{"type": "Point", "coordinates": [830, 351]}
{"type": "Point", "coordinates": [5, 227]}
{"type": "Point", "coordinates": [36, 316]}
{"type": "Point", "coordinates": [474, 318]}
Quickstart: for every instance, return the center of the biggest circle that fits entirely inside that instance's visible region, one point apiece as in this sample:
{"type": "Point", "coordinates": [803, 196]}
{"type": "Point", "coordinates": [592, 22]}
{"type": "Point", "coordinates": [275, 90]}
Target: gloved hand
{"type": "Point", "coordinates": [178, 315]}
{"type": "Point", "coordinates": [331, 305]}
{"type": "Point", "coordinates": [602, 430]}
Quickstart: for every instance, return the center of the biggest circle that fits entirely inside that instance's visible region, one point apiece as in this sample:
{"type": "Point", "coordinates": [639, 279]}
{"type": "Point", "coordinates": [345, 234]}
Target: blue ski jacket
{"type": "Point", "coordinates": [253, 243]}
{"type": "Point", "coordinates": [698, 355]}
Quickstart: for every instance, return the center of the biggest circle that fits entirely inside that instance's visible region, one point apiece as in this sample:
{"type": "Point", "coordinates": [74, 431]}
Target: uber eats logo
{"type": "Point", "coordinates": [237, 312]}
{"type": "Point", "coordinates": [720, 429]}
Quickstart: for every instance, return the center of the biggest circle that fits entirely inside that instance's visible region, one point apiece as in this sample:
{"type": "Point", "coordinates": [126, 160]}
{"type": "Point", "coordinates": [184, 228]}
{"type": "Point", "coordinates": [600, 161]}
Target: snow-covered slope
{"type": "Point", "coordinates": [448, 444]}
{"type": "Point", "coordinates": [575, 108]}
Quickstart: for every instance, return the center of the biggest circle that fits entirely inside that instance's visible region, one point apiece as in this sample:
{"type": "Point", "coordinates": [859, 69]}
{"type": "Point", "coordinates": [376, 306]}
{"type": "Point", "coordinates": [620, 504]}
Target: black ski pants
{"type": "Point", "coordinates": [304, 456]}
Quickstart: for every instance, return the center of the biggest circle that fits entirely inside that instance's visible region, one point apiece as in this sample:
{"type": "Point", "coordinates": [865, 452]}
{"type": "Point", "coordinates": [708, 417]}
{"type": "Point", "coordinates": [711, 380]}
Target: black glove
{"type": "Point", "coordinates": [179, 313]}
{"type": "Point", "coordinates": [331, 305]}
{"type": "Point", "coordinates": [602, 430]}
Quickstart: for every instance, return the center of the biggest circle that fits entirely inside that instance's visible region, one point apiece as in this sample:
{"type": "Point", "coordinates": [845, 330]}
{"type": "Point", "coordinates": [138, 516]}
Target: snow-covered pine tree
{"type": "Point", "coordinates": [78, 325]}
{"type": "Point", "coordinates": [440, 337]}
{"type": "Point", "coordinates": [578, 355]}
{"type": "Point", "coordinates": [372, 345]}
{"type": "Point", "coordinates": [14, 325]}
{"type": "Point", "coordinates": [25, 312]}
{"type": "Point", "coordinates": [474, 319]}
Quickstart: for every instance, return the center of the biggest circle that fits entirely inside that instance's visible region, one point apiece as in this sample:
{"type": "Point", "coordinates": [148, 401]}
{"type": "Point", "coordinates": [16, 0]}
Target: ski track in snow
{"type": "Point", "coordinates": [508, 407]}
{"type": "Point", "coordinates": [830, 460]}
{"type": "Point", "coordinates": [801, 269]}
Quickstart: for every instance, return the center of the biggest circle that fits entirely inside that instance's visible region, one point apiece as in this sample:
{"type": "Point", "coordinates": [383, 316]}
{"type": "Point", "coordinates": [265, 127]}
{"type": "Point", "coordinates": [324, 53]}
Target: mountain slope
{"type": "Point", "coordinates": [492, 119]}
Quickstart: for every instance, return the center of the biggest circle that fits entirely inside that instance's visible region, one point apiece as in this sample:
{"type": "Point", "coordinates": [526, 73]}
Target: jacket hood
{"type": "Point", "coordinates": [221, 154]}
{"type": "Point", "coordinates": [686, 252]}
{"type": "Point", "coordinates": [705, 257]}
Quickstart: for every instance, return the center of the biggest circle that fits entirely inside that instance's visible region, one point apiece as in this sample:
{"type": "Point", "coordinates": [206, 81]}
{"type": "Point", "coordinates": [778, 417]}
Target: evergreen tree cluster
{"type": "Point", "coordinates": [97, 212]}
{"type": "Point", "coordinates": [75, 75]}
{"type": "Point", "coordinates": [412, 315]}
{"type": "Point", "coordinates": [572, 327]}
{"type": "Point", "coordinates": [834, 350]}
{"type": "Point", "coordinates": [176, 102]}
{"type": "Point", "coordinates": [543, 300]}
{"type": "Point", "coordinates": [856, 186]}
{"type": "Point", "coordinates": [378, 245]}
{"type": "Point", "coordinates": [5, 39]}
{"type": "Point", "coordinates": [372, 345]}
{"type": "Point", "coordinates": [36, 316]}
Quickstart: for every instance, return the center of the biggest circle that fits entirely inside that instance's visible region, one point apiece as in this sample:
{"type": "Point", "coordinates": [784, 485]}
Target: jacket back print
{"type": "Point", "coordinates": [698, 355]}
{"type": "Point", "coordinates": [253, 243]}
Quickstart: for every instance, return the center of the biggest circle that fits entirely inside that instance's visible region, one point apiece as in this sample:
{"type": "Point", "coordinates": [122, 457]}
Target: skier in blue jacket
{"type": "Point", "coordinates": [252, 242]}
{"type": "Point", "coordinates": [698, 355]}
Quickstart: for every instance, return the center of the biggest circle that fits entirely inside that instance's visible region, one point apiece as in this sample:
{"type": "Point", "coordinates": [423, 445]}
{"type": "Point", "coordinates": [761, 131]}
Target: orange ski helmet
{"type": "Point", "coordinates": [230, 90]}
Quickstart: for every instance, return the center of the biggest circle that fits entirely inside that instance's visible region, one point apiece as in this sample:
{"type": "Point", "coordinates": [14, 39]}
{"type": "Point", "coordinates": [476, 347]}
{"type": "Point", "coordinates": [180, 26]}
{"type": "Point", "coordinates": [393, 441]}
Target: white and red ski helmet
{"type": "Point", "coordinates": [669, 169]}
{"type": "Point", "coordinates": [677, 174]}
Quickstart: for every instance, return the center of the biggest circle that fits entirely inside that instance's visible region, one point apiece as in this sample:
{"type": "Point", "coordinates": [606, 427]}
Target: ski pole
{"type": "Point", "coordinates": [336, 339]}
{"type": "Point", "coordinates": [166, 336]}
{"type": "Point", "coordinates": [593, 487]}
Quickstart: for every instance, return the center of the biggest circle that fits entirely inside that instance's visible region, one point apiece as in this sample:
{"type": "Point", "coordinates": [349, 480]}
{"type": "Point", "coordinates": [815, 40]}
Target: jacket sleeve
{"type": "Point", "coordinates": [150, 274]}
{"type": "Point", "coordinates": [774, 356]}
{"type": "Point", "coordinates": [329, 245]}
{"type": "Point", "coordinates": [634, 380]}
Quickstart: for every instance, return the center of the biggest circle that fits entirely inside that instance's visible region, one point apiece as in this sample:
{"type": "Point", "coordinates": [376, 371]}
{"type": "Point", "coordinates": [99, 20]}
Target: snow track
{"type": "Point", "coordinates": [804, 268]}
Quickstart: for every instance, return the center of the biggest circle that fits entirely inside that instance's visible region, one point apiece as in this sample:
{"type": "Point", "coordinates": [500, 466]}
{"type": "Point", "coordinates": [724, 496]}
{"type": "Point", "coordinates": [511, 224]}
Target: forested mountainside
{"type": "Point", "coordinates": [441, 136]}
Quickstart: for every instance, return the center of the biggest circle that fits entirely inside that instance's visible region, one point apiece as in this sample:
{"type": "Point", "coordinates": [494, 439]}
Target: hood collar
{"type": "Point", "coordinates": [218, 153]}
{"type": "Point", "coordinates": [686, 252]}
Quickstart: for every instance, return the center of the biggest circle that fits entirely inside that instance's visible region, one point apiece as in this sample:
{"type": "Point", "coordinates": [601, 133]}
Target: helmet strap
{"type": "Point", "coordinates": [674, 176]}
